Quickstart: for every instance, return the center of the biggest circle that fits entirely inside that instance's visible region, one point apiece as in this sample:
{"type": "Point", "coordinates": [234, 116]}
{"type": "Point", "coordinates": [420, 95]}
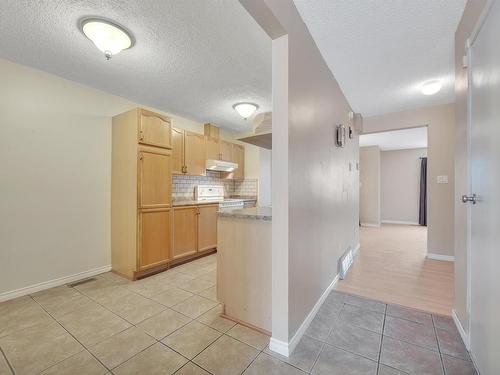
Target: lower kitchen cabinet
{"type": "Point", "coordinates": [185, 231]}
{"type": "Point", "coordinates": [207, 227]}
{"type": "Point", "coordinates": [155, 240]}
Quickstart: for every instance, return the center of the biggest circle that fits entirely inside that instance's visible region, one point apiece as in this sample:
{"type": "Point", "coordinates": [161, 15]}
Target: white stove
{"type": "Point", "coordinates": [215, 193]}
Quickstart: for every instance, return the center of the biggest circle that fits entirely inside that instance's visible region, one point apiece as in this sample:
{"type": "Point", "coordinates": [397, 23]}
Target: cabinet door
{"type": "Point", "coordinates": [154, 130]}
{"type": "Point", "coordinates": [155, 179]}
{"type": "Point", "coordinates": [226, 151]}
{"type": "Point", "coordinates": [195, 154]}
{"type": "Point", "coordinates": [178, 162]}
{"type": "Point", "coordinates": [207, 227]}
{"type": "Point", "coordinates": [239, 158]}
{"type": "Point", "coordinates": [155, 237]}
{"type": "Point", "coordinates": [185, 231]}
{"type": "Point", "coordinates": [212, 147]}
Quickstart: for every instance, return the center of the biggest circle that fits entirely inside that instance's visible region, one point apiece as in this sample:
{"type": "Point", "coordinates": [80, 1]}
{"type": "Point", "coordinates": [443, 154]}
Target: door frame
{"type": "Point", "coordinates": [468, 46]}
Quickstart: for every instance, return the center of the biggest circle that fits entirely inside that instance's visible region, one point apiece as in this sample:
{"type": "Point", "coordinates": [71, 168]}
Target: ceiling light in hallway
{"type": "Point", "coordinates": [245, 109]}
{"type": "Point", "coordinates": [431, 87]}
{"type": "Point", "coordinates": [107, 36]}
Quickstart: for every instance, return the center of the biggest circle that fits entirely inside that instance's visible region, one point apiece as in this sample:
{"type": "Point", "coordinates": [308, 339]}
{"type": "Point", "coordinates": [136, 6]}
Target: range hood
{"type": "Point", "coordinates": [220, 165]}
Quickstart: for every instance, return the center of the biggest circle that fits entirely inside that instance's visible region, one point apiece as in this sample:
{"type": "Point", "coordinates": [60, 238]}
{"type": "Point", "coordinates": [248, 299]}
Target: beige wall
{"type": "Point", "coordinates": [56, 176]}
{"type": "Point", "coordinates": [441, 154]}
{"type": "Point", "coordinates": [369, 185]}
{"type": "Point", "coordinates": [471, 14]}
{"type": "Point", "coordinates": [400, 185]}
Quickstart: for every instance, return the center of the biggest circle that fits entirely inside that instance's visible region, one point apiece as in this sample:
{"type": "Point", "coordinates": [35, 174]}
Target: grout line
{"type": "Point", "coordinates": [381, 340]}
{"type": "Point", "coordinates": [7, 361]}
{"type": "Point", "coordinates": [438, 345]}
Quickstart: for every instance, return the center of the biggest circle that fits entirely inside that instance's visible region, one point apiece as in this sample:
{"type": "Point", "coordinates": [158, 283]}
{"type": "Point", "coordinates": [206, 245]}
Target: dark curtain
{"type": "Point", "coordinates": [422, 213]}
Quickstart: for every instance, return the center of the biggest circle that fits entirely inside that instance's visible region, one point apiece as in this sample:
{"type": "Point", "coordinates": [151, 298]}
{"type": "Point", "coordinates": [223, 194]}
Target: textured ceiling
{"type": "Point", "coordinates": [397, 139]}
{"type": "Point", "coordinates": [381, 51]}
{"type": "Point", "coordinates": [195, 58]}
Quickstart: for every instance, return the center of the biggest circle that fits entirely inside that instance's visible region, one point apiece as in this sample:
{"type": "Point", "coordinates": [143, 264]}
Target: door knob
{"type": "Point", "coordinates": [469, 198]}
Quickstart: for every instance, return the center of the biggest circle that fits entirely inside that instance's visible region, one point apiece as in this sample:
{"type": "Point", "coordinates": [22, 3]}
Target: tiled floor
{"type": "Point", "coordinates": [170, 323]}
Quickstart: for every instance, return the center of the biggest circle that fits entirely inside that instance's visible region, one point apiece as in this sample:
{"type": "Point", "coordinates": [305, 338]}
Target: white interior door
{"type": "Point", "coordinates": [484, 91]}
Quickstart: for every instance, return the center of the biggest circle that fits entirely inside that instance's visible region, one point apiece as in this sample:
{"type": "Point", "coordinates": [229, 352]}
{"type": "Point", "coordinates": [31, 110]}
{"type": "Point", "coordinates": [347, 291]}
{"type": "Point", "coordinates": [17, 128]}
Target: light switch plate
{"type": "Point", "coordinates": [442, 179]}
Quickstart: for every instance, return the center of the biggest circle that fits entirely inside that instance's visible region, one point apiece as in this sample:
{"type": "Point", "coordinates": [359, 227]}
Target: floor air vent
{"type": "Point", "coordinates": [76, 283]}
{"type": "Point", "coordinates": [345, 262]}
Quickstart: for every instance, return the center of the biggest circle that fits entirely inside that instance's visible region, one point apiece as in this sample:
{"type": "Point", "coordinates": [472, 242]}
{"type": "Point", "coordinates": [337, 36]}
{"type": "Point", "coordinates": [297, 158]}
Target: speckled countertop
{"type": "Point", "coordinates": [192, 202]}
{"type": "Point", "coordinates": [255, 213]}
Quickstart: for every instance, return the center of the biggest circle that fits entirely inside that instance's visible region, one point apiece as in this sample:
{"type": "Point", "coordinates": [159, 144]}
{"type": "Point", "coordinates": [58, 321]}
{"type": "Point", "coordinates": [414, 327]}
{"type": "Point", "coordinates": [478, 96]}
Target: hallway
{"type": "Point", "coordinates": [391, 266]}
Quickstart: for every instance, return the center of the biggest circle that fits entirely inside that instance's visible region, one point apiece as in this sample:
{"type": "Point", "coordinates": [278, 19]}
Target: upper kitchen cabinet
{"type": "Point", "coordinates": [239, 158]}
{"type": "Point", "coordinates": [226, 151]}
{"type": "Point", "coordinates": [188, 153]}
{"type": "Point", "coordinates": [154, 129]}
{"type": "Point", "coordinates": [213, 148]}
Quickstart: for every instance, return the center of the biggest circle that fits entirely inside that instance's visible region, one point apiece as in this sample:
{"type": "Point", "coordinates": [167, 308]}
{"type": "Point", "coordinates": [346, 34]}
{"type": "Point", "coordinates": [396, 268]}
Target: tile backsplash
{"type": "Point", "coordinates": [183, 186]}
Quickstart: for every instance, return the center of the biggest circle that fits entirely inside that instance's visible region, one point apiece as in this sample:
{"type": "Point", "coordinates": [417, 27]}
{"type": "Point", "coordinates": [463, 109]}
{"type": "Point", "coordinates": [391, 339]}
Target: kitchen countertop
{"type": "Point", "coordinates": [192, 202]}
{"type": "Point", "coordinates": [255, 213]}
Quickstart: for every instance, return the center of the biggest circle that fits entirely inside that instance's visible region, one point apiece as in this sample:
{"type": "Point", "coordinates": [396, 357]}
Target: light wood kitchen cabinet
{"type": "Point", "coordinates": [141, 213]}
{"type": "Point", "coordinates": [154, 129]}
{"type": "Point", "coordinates": [212, 148]}
{"type": "Point", "coordinates": [226, 150]}
{"type": "Point", "coordinates": [178, 162]}
{"type": "Point", "coordinates": [155, 237]}
{"type": "Point", "coordinates": [239, 158]}
{"type": "Point", "coordinates": [194, 154]}
{"type": "Point", "coordinates": [207, 227]}
{"type": "Point", "coordinates": [185, 231]}
{"type": "Point", "coordinates": [188, 153]}
{"type": "Point", "coordinates": [154, 175]}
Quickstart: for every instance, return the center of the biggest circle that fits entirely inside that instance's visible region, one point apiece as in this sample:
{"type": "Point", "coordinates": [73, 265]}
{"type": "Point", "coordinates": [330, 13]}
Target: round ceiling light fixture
{"type": "Point", "coordinates": [109, 37]}
{"type": "Point", "coordinates": [431, 87]}
{"type": "Point", "coordinates": [245, 110]}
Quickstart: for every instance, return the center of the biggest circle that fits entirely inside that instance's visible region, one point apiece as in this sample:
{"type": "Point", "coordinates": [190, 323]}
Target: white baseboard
{"type": "Point", "coordinates": [399, 222]}
{"type": "Point", "coordinates": [286, 349]}
{"type": "Point", "coordinates": [370, 225]}
{"type": "Point", "coordinates": [5, 296]}
{"type": "Point", "coordinates": [446, 258]}
{"type": "Point", "coordinates": [356, 249]}
{"type": "Point", "coordinates": [461, 330]}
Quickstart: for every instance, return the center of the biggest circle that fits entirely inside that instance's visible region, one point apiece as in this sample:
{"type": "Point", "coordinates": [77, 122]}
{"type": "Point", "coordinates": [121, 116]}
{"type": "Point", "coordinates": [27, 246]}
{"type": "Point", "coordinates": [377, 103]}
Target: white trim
{"type": "Point", "coordinates": [446, 258]}
{"type": "Point", "coordinates": [5, 296]}
{"type": "Point", "coordinates": [356, 249]}
{"type": "Point", "coordinates": [370, 225]}
{"type": "Point", "coordinates": [286, 349]}
{"type": "Point", "coordinates": [399, 222]}
{"type": "Point", "coordinates": [463, 334]}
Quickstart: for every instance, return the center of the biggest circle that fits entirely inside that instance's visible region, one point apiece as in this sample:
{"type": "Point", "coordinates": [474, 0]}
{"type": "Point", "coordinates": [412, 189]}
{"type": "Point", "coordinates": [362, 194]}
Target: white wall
{"type": "Point", "coordinates": [56, 176]}
{"type": "Point", "coordinates": [400, 185]}
{"type": "Point", "coordinates": [441, 154]}
{"type": "Point", "coordinates": [369, 185]}
{"type": "Point", "coordinates": [265, 180]}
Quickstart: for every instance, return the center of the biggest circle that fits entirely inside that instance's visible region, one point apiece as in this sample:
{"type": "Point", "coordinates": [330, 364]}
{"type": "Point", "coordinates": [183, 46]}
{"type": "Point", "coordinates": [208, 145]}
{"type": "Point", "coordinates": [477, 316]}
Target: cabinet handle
{"type": "Point", "coordinates": [141, 135]}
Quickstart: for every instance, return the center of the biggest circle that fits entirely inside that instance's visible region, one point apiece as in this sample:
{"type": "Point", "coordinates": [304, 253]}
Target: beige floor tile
{"type": "Point", "coordinates": [191, 339]}
{"type": "Point", "coordinates": [150, 287]}
{"type": "Point", "coordinates": [61, 300]}
{"type": "Point", "coordinates": [194, 306]}
{"type": "Point", "coordinates": [36, 348]}
{"type": "Point", "coordinates": [155, 360]}
{"type": "Point", "coordinates": [81, 363]}
{"type": "Point", "coordinates": [213, 319]}
{"type": "Point", "coordinates": [134, 308]}
{"type": "Point", "coordinates": [99, 283]}
{"type": "Point", "coordinates": [172, 297]}
{"type": "Point", "coordinates": [4, 366]}
{"type": "Point", "coordinates": [226, 356]}
{"type": "Point", "coordinates": [121, 347]}
{"type": "Point", "coordinates": [249, 336]}
{"type": "Point", "coordinates": [92, 324]}
{"type": "Point", "coordinates": [265, 364]}
{"type": "Point", "coordinates": [191, 369]}
{"type": "Point", "coordinates": [164, 323]}
{"type": "Point", "coordinates": [195, 285]}
{"type": "Point", "coordinates": [109, 294]}
{"type": "Point", "coordinates": [210, 293]}
{"type": "Point", "coordinates": [21, 313]}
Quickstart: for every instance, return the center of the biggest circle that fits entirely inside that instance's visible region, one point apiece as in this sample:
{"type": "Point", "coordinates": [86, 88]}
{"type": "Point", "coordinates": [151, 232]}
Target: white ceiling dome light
{"type": "Point", "coordinates": [245, 110]}
{"type": "Point", "coordinates": [109, 37]}
{"type": "Point", "coordinates": [431, 87]}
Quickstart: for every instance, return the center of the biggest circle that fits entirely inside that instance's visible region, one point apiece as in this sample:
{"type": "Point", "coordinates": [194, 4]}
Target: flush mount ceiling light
{"type": "Point", "coordinates": [245, 110]}
{"type": "Point", "coordinates": [431, 87]}
{"type": "Point", "coordinates": [108, 37]}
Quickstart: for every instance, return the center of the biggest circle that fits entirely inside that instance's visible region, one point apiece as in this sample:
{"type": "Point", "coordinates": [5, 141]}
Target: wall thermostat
{"type": "Point", "coordinates": [340, 133]}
